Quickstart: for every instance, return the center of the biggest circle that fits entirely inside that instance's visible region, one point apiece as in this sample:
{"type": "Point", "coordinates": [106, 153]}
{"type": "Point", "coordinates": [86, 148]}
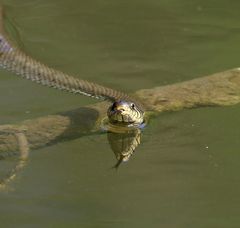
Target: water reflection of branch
{"type": "Point", "coordinates": [24, 153]}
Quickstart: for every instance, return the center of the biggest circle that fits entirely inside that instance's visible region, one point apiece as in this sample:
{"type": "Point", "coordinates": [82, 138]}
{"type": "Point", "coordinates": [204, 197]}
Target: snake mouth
{"type": "Point", "coordinates": [118, 116]}
{"type": "Point", "coordinates": [118, 111]}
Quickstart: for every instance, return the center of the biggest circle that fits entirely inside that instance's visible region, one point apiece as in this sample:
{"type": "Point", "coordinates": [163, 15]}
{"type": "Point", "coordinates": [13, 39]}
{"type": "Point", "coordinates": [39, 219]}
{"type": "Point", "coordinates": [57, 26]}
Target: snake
{"type": "Point", "coordinates": [126, 115]}
{"type": "Point", "coordinates": [124, 109]}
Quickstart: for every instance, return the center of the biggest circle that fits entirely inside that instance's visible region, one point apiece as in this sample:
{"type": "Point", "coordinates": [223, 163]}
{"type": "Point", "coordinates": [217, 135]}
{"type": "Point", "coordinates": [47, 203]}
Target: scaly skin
{"type": "Point", "coordinates": [16, 61]}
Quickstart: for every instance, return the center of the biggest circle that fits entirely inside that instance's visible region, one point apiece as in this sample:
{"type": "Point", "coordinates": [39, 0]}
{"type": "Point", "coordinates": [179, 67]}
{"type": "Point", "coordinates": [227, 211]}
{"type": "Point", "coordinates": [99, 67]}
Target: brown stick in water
{"type": "Point", "coordinates": [220, 89]}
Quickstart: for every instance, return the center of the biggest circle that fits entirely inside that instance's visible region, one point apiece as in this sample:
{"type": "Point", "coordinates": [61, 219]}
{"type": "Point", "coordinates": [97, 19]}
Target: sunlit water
{"type": "Point", "coordinates": [185, 172]}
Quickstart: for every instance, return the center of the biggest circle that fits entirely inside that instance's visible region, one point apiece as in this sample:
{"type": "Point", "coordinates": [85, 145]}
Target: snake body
{"type": "Point", "coordinates": [124, 108]}
{"type": "Point", "coordinates": [16, 61]}
{"type": "Point", "coordinates": [125, 114]}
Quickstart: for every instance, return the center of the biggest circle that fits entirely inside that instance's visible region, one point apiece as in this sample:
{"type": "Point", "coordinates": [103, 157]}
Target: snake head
{"type": "Point", "coordinates": [125, 112]}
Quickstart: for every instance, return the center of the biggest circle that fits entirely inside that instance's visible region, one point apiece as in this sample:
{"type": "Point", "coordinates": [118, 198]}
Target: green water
{"type": "Point", "coordinates": [185, 172]}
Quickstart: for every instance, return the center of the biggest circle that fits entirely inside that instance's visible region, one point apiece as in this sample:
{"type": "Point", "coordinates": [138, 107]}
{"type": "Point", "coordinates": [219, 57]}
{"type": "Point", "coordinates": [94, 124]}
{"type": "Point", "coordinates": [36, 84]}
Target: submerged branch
{"type": "Point", "coordinates": [219, 89]}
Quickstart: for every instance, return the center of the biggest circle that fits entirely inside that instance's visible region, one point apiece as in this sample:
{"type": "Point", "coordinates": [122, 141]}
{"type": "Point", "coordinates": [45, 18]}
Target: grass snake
{"type": "Point", "coordinates": [124, 109]}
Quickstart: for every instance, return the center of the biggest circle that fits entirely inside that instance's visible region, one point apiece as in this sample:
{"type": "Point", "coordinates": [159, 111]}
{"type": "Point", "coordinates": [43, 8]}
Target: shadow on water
{"type": "Point", "coordinates": [82, 122]}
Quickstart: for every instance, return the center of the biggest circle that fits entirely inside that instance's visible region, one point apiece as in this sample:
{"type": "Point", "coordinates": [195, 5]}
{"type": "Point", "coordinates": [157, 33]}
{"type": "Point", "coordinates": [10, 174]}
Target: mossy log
{"type": "Point", "coordinates": [220, 89]}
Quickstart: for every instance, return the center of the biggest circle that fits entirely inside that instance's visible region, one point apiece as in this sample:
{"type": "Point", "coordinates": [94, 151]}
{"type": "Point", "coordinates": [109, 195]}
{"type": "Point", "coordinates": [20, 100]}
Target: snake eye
{"type": "Point", "coordinates": [114, 105]}
{"type": "Point", "coordinates": [133, 105]}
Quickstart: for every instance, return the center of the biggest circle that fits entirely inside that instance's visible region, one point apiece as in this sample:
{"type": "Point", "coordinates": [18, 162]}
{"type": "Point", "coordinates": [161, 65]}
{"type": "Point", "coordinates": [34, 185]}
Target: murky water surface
{"type": "Point", "coordinates": [185, 172]}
